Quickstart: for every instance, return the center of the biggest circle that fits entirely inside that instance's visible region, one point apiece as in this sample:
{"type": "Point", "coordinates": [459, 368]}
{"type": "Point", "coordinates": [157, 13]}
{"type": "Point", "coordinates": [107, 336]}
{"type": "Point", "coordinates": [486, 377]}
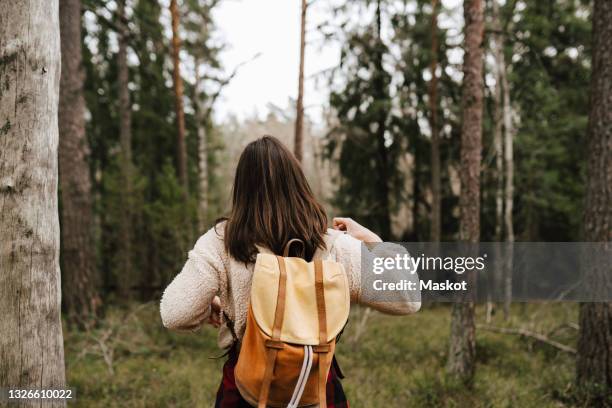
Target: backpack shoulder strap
{"type": "Point", "coordinates": [323, 348]}
{"type": "Point", "coordinates": [274, 344]}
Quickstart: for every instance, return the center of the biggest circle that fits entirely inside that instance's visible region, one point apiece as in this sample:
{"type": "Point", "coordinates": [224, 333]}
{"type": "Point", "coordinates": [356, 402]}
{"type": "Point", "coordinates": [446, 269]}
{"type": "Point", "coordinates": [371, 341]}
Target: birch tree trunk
{"type": "Point", "coordinates": [497, 44]}
{"type": "Point", "coordinates": [124, 274]}
{"type": "Point", "coordinates": [298, 147]}
{"type": "Point", "coordinates": [31, 343]}
{"type": "Point", "coordinates": [435, 131]}
{"type": "Point", "coordinates": [498, 129]}
{"type": "Point", "coordinates": [178, 93]}
{"type": "Point", "coordinates": [594, 357]}
{"type": "Point", "coordinates": [79, 286]}
{"type": "Point", "coordinates": [504, 158]}
{"type": "Point", "coordinates": [462, 352]}
{"type": "Point", "coordinates": [509, 187]}
{"type": "Point", "coordinates": [202, 152]}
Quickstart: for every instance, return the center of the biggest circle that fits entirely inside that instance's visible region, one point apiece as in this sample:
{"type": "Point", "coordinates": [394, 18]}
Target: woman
{"type": "Point", "coordinates": [271, 204]}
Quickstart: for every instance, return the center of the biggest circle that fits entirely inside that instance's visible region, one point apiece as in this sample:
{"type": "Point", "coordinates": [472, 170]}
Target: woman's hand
{"type": "Point", "coordinates": [354, 229]}
{"type": "Point", "coordinates": [215, 312]}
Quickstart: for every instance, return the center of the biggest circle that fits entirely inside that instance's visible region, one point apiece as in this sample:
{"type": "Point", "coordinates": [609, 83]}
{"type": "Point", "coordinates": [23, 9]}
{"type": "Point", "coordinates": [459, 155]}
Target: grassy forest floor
{"type": "Point", "coordinates": [131, 361]}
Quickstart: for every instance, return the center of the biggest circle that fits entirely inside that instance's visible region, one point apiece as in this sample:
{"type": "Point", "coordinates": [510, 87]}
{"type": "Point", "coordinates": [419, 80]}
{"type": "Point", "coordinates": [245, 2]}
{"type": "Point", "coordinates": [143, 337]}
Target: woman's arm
{"type": "Point", "coordinates": [349, 253]}
{"type": "Point", "coordinates": [186, 302]}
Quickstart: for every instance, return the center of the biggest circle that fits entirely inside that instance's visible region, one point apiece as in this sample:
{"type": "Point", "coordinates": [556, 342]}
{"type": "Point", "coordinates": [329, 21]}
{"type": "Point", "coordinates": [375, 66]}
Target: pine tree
{"type": "Point", "coordinates": [548, 68]}
{"type": "Point", "coordinates": [435, 230]}
{"type": "Point", "coordinates": [299, 115]}
{"type": "Point", "coordinates": [594, 357]}
{"type": "Point", "coordinates": [181, 146]}
{"type": "Point", "coordinates": [414, 36]}
{"type": "Point", "coordinates": [362, 142]}
{"type": "Point", "coordinates": [165, 220]}
{"type": "Point", "coordinates": [102, 131]}
{"type": "Point", "coordinates": [125, 279]}
{"type": "Point", "coordinates": [462, 354]}
{"type": "Point", "coordinates": [199, 27]}
{"type": "Point", "coordinates": [81, 299]}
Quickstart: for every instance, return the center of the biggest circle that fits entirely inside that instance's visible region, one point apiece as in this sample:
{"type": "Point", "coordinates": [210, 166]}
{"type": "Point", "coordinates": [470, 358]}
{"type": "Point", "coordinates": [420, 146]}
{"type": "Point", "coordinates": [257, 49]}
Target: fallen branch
{"type": "Point", "coordinates": [529, 334]}
{"type": "Point", "coordinates": [562, 327]}
{"type": "Point", "coordinates": [574, 326]}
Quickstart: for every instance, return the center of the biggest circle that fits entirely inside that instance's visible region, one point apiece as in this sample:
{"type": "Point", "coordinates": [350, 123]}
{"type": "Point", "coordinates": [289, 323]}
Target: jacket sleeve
{"type": "Point", "coordinates": [349, 254]}
{"type": "Point", "coordinates": [185, 304]}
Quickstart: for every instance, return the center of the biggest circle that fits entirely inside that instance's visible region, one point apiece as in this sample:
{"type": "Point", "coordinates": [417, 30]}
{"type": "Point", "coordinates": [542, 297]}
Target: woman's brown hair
{"type": "Point", "coordinates": [272, 203]}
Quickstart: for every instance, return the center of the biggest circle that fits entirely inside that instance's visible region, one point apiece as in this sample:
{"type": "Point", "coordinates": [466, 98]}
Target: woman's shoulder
{"type": "Point", "coordinates": [212, 240]}
{"type": "Point", "coordinates": [331, 236]}
{"type": "Point", "coordinates": [341, 241]}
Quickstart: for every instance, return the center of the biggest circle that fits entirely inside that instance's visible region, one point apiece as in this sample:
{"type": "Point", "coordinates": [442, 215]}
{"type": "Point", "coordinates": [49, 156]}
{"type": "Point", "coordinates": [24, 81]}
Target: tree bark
{"type": "Point", "coordinates": [497, 45]}
{"type": "Point", "coordinates": [462, 352]}
{"type": "Point", "coordinates": [31, 343]}
{"type": "Point", "coordinates": [435, 131]}
{"type": "Point", "coordinates": [504, 159]}
{"type": "Point", "coordinates": [594, 358]}
{"type": "Point", "coordinates": [380, 90]}
{"type": "Point", "coordinates": [124, 272]}
{"type": "Point", "coordinates": [79, 286]}
{"type": "Point", "coordinates": [298, 147]}
{"type": "Point", "coordinates": [202, 152]}
{"type": "Point", "coordinates": [509, 187]}
{"type": "Point", "coordinates": [178, 93]}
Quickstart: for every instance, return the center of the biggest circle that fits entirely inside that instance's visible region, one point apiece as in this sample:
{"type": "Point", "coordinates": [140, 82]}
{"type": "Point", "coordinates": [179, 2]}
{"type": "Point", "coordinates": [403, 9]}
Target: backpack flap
{"type": "Point", "coordinates": [300, 324]}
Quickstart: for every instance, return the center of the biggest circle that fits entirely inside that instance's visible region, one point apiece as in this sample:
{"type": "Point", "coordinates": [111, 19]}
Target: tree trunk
{"type": "Point", "coordinates": [201, 124]}
{"type": "Point", "coordinates": [298, 147]}
{"type": "Point", "coordinates": [594, 358]}
{"type": "Point", "coordinates": [498, 139]}
{"type": "Point", "coordinates": [383, 158]}
{"type": "Point", "coordinates": [178, 93]}
{"type": "Point", "coordinates": [79, 285]}
{"type": "Point", "coordinates": [31, 343]}
{"type": "Point", "coordinates": [124, 272]}
{"type": "Point", "coordinates": [435, 132]}
{"type": "Point", "coordinates": [509, 190]}
{"type": "Point", "coordinates": [461, 361]}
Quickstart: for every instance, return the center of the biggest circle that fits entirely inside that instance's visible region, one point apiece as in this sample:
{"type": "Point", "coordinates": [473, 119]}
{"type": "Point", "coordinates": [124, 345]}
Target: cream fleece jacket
{"type": "Point", "coordinates": [210, 271]}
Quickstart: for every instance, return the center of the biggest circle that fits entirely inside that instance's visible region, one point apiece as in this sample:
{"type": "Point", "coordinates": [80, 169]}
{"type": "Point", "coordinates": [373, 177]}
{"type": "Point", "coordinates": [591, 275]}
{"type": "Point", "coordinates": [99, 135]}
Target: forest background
{"type": "Point", "coordinates": [148, 146]}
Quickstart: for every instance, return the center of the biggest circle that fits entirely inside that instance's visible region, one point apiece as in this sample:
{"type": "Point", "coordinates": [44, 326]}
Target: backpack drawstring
{"type": "Point", "coordinates": [303, 378]}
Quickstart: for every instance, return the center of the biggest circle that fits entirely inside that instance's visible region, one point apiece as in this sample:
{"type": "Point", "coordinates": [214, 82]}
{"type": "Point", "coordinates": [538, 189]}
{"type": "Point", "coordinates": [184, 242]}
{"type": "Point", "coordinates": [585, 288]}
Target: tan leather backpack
{"type": "Point", "coordinates": [297, 310]}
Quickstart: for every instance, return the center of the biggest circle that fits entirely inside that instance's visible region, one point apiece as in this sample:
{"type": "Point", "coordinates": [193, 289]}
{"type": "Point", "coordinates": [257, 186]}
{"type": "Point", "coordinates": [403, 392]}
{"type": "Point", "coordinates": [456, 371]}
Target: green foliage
{"type": "Point", "coordinates": [550, 74]}
{"type": "Point", "coordinates": [364, 142]}
{"type": "Point", "coordinates": [218, 185]}
{"type": "Point", "coordinates": [379, 94]}
{"type": "Point", "coordinates": [112, 209]}
{"type": "Point", "coordinates": [412, 32]}
{"type": "Point", "coordinates": [163, 223]}
{"type": "Point", "coordinates": [400, 101]}
{"type": "Point", "coordinates": [548, 57]}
